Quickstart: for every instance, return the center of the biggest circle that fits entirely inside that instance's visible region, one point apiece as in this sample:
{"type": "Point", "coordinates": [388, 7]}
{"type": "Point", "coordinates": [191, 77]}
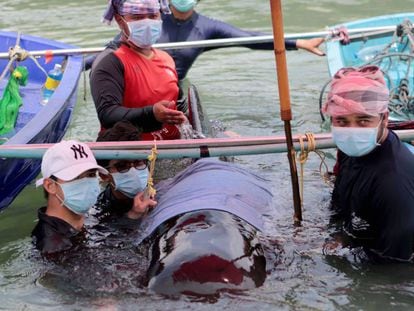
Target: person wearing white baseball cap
{"type": "Point", "coordinates": [71, 185]}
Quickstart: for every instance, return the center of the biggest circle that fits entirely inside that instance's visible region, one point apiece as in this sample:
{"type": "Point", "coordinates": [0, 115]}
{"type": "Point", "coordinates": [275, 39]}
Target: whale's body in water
{"type": "Point", "coordinates": [203, 233]}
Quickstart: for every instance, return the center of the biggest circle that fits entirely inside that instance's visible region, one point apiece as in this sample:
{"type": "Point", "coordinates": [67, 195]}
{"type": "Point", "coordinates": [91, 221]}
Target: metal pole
{"type": "Point", "coordinates": [206, 43]}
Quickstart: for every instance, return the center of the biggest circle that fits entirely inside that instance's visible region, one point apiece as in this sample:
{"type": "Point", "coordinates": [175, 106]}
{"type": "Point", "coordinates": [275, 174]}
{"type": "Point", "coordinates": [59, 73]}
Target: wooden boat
{"type": "Point", "coordinates": [390, 45]}
{"type": "Point", "coordinates": [36, 123]}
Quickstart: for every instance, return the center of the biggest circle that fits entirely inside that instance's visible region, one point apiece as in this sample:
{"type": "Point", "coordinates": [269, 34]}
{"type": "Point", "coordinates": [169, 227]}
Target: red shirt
{"type": "Point", "coordinates": [148, 81]}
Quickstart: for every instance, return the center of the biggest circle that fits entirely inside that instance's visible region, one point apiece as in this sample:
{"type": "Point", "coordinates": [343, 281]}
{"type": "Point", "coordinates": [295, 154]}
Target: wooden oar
{"type": "Point", "coordinates": [207, 43]}
{"type": "Point", "coordinates": [284, 96]}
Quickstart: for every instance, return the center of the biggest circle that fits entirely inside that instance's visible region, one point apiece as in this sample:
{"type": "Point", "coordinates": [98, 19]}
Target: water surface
{"type": "Point", "coordinates": [239, 88]}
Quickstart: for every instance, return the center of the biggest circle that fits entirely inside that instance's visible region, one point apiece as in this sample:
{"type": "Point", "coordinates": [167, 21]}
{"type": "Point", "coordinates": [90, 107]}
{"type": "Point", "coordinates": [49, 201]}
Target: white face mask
{"type": "Point", "coordinates": [131, 182]}
{"type": "Point", "coordinates": [80, 195]}
{"type": "Point", "coordinates": [183, 5]}
{"type": "Point", "coordinates": [145, 32]}
{"type": "Point", "coordinates": [355, 141]}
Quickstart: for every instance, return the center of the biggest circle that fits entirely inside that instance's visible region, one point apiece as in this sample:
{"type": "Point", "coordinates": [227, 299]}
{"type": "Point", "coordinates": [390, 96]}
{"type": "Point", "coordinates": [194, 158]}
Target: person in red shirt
{"type": "Point", "coordinates": [137, 82]}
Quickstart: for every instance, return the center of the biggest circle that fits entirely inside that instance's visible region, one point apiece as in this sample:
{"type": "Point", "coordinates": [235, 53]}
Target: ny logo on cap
{"type": "Point", "coordinates": [79, 151]}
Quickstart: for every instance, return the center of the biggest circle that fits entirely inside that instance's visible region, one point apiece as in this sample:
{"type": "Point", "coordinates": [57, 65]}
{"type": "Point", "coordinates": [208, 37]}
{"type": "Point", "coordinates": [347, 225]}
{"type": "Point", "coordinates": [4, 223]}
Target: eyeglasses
{"type": "Point", "coordinates": [124, 166]}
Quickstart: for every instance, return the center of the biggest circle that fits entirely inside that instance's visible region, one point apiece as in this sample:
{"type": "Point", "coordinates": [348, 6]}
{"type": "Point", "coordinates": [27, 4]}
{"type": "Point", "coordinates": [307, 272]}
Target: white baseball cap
{"type": "Point", "coordinates": [67, 160]}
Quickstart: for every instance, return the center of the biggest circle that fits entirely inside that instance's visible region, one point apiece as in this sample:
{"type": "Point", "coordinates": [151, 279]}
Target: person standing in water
{"type": "Point", "coordinates": [373, 197]}
{"type": "Point", "coordinates": [186, 24]}
{"type": "Point", "coordinates": [136, 82]}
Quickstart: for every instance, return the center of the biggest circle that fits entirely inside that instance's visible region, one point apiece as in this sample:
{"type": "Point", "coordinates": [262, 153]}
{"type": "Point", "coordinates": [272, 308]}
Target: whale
{"type": "Point", "coordinates": [203, 237]}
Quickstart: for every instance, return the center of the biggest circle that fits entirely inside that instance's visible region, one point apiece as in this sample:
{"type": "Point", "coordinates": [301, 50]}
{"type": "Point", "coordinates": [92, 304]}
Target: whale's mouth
{"type": "Point", "coordinates": [209, 268]}
{"type": "Point", "coordinates": [204, 253]}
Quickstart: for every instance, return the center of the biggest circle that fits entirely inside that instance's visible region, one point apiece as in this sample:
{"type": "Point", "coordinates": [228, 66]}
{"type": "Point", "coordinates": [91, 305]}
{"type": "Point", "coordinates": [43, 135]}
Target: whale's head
{"type": "Point", "coordinates": [205, 252]}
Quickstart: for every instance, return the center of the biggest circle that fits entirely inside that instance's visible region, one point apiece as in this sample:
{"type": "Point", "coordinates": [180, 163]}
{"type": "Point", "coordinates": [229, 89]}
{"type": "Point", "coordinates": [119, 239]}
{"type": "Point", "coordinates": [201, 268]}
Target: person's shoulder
{"type": "Point", "coordinates": [52, 234]}
{"type": "Point", "coordinates": [207, 20]}
{"type": "Point", "coordinates": [105, 60]}
{"type": "Point", "coordinates": [107, 53]}
{"type": "Point", "coordinates": [203, 18]}
{"type": "Point", "coordinates": [395, 166]}
{"type": "Point", "coordinates": [50, 224]}
{"type": "Point", "coordinates": [401, 152]}
{"type": "Point", "coordinates": [163, 56]}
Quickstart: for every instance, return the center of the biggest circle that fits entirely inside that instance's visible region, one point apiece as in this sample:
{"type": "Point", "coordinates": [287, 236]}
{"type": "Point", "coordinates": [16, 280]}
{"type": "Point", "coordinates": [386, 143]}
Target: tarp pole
{"type": "Point", "coordinates": [284, 97]}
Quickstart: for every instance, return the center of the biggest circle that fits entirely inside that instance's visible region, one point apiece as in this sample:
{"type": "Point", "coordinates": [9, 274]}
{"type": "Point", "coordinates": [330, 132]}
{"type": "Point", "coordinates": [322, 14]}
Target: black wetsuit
{"type": "Point", "coordinates": [374, 200]}
{"type": "Point", "coordinates": [200, 27]}
{"type": "Point", "coordinates": [108, 207]}
{"type": "Point", "coordinates": [53, 235]}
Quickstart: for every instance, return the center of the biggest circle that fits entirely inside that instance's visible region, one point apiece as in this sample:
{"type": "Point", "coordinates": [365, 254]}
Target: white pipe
{"type": "Point", "coordinates": [186, 148]}
{"type": "Point", "coordinates": [209, 43]}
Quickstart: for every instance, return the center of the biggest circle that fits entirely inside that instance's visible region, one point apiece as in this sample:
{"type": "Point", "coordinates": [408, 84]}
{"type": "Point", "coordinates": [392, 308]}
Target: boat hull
{"type": "Point", "coordinates": [340, 55]}
{"type": "Point", "coordinates": [382, 48]}
{"type": "Point", "coordinates": [36, 123]}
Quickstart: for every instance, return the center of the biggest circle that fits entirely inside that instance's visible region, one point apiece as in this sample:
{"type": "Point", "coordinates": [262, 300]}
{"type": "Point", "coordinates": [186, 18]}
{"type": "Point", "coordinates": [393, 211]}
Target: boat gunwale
{"type": "Point", "coordinates": [61, 97]}
{"type": "Point", "coordinates": [334, 48]}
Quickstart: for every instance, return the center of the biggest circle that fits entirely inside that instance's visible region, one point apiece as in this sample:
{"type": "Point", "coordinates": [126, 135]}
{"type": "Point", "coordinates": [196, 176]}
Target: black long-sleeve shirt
{"type": "Point", "coordinates": [374, 200]}
{"type": "Point", "coordinates": [107, 87]}
{"type": "Point", "coordinates": [200, 27]}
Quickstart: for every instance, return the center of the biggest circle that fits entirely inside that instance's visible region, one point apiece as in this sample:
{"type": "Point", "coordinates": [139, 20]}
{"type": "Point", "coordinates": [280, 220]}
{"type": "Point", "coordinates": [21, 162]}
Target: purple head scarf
{"type": "Point", "coordinates": [124, 7]}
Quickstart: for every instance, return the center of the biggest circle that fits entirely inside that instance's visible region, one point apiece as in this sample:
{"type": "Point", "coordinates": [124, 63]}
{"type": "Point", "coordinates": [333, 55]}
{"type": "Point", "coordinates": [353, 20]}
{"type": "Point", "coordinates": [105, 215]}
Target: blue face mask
{"type": "Point", "coordinates": [145, 32]}
{"type": "Point", "coordinates": [80, 195]}
{"type": "Point", "coordinates": [183, 5]}
{"type": "Point", "coordinates": [355, 141]}
{"type": "Point", "coordinates": [131, 182]}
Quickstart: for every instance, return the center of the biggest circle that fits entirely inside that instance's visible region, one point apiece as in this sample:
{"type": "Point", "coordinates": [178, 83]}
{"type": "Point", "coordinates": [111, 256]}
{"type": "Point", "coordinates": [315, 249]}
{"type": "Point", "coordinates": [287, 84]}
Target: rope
{"type": "Point", "coordinates": [303, 157]}
{"type": "Point", "coordinates": [341, 34]}
{"type": "Point", "coordinates": [150, 191]}
{"type": "Point", "coordinates": [84, 78]}
{"type": "Point", "coordinates": [18, 54]}
{"type": "Point", "coordinates": [12, 57]}
{"type": "Point", "coordinates": [407, 28]}
{"type": "Point", "coordinates": [37, 64]}
{"type": "Point", "coordinates": [399, 50]}
{"type": "Point", "coordinates": [8, 66]}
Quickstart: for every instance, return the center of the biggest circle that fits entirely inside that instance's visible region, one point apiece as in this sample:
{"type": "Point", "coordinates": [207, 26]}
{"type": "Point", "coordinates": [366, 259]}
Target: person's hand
{"type": "Point", "coordinates": [164, 114]}
{"type": "Point", "coordinates": [332, 248]}
{"type": "Point", "coordinates": [311, 45]}
{"type": "Point", "coordinates": [142, 205]}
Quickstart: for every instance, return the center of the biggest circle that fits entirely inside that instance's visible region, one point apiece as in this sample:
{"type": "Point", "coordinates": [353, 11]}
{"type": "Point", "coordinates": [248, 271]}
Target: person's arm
{"type": "Point", "coordinates": [221, 30]}
{"type": "Point", "coordinates": [107, 88]}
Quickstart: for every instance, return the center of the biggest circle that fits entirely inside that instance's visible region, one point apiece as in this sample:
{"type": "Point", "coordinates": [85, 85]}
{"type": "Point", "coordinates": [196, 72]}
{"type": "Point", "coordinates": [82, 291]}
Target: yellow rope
{"type": "Point", "coordinates": [303, 157]}
{"type": "Point", "coordinates": [150, 191]}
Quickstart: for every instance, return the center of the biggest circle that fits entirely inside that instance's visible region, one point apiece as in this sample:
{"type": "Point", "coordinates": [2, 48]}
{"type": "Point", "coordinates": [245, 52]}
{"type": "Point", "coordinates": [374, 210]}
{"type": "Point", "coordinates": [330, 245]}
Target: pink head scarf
{"type": "Point", "coordinates": [357, 90]}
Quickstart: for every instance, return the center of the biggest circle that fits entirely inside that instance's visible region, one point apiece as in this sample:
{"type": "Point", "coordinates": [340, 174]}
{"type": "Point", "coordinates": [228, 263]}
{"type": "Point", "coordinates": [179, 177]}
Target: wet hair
{"type": "Point", "coordinates": [122, 131]}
